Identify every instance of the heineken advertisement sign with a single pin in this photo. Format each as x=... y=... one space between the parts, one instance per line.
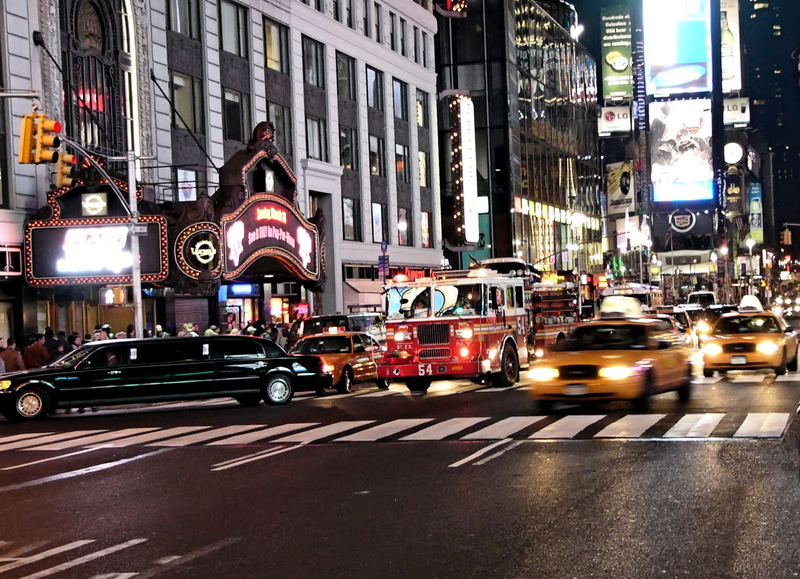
x=616 y=52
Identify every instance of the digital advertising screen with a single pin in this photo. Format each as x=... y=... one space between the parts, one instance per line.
x=677 y=46
x=731 y=47
x=616 y=52
x=680 y=151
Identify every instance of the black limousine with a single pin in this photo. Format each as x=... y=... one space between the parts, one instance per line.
x=245 y=368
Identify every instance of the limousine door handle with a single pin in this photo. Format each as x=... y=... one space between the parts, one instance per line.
x=114 y=372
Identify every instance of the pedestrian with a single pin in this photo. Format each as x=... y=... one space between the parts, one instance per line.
x=74 y=340
x=51 y=343
x=12 y=359
x=36 y=355
x=212 y=330
x=130 y=332
x=160 y=333
x=65 y=344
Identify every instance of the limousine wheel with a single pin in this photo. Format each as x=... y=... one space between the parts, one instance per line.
x=248 y=399
x=279 y=389
x=30 y=404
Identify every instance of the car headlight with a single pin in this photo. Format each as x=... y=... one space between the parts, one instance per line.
x=5 y=384
x=616 y=372
x=543 y=374
x=767 y=347
x=703 y=327
x=712 y=349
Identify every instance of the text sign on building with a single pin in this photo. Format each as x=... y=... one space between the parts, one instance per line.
x=614 y=120
x=616 y=52
x=731 y=47
x=736 y=112
x=621 y=188
x=677 y=46
x=71 y=251
x=269 y=227
x=756 y=212
x=464 y=167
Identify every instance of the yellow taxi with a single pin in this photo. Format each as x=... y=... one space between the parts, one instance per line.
x=750 y=339
x=350 y=357
x=617 y=356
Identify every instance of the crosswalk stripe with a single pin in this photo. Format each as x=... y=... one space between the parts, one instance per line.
x=262 y=434
x=205 y=435
x=445 y=429
x=383 y=430
x=45 y=554
x=756 y=378
x=324 y=431
x=48 y=439
x=24 y=436
x=568 y=426
x=763 y=425
x=503 y=429
x=86 y=559
x=380 y=393
x=94 y=439
x=158 y=435
x=695 y=426
x=629 y=426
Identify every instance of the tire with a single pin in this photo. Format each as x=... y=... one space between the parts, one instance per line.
x=509 y=369
x=29 y=404
x=248 y=399
x=781 y=370
x=418 y=384
x=345 y=385
x=643 y=401
x=685 y=389
x=708 y=373
x=560 y=341
x=278 y=390
x=792 y=366
x=382 y=383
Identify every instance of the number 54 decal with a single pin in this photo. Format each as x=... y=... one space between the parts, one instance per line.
x=424 y=370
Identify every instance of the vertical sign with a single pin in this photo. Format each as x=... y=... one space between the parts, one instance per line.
x=465 y=171
x=731 y=47
x=755 y=211
x=616 y=52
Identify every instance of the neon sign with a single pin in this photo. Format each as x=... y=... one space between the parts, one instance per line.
x=95 y=249
x=270 y=214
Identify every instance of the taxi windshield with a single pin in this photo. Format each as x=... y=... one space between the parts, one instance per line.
x=608 y=337
x=748 y=325
x=449 y=300
x=324 y=345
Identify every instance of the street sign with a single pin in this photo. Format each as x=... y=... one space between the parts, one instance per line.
x=383 y=265
x=384 y=247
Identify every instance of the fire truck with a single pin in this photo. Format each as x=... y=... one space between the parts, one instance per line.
x=457 y=324
x=555 y=307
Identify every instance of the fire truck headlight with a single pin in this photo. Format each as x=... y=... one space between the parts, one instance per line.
x=402 y=334
x=465 y=332
x=543 y=373
x=492 y=353
x=464 y=352
x=539 y=353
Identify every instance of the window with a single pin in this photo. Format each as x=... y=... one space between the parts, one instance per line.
x=401 y=163
x=187 y=97
x=313 y=62
x=403 y=226
x=393 y=31
x=424 y=50
x=346 y=76
x=184 y=17
x=400 y=99
x=374 y=88
x=281 y=117
x=422 y=109
x=276 y=46
x=377 y=155
x=233 y=28
x=378 y=23
x=425 y=228
x=337 y=10
x=316 y=139
x=416 y=44
x=351 y=21
x=348 y=148
x=424 y=180
x=186 y=181
x=351 y=218
x=236 y=122
x=402 y=36
x=380 y=228
x=319 y=5
x=366 y=18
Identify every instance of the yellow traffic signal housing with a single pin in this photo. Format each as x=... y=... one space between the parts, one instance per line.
x=46 y=140
x=27 y=139
x=65 y=170
x=786 y=237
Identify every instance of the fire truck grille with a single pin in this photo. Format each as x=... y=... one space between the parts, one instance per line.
x=577 y=372
x=739 y=348
x=433 y=334
x=434 y=354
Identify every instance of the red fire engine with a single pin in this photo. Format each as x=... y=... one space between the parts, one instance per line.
x=555 y=307
x=464 y=324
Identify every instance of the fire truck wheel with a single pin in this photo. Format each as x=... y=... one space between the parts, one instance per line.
x=382 y=383
x=509 y=368
x=418 y=384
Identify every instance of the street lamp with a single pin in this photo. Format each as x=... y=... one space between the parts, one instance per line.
x=723 y=251
x=750 y=243
x=577 y=220
x=714 y=258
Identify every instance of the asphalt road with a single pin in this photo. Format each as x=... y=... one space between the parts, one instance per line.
x=466 y=481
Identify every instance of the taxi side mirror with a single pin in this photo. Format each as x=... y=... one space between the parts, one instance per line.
x=664 y=344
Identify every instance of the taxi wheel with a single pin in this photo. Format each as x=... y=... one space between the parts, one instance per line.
x=781 y=370
x=509 y=369
x=685 y=389
x=792 y=366
x=643 y=401
x=418 y=384
x=708 y=373
x=345 y=385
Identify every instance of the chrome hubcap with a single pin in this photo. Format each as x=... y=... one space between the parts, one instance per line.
x=278 y=390
x=29 y=404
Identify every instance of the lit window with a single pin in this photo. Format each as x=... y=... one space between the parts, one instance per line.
x=316 y=139
x=377 y=154
x=403 y=226
x=276 y=45
x=187 y=96
x=401 y=163
x=422 y=157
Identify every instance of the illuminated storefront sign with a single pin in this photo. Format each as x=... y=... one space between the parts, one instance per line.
x=464 y=168
x=94 y=204
x=736 y=112
x=197 y=250
x=614 y=120
x=680 y=151
x=616 y=53
x=677 y=46
x=267 y=227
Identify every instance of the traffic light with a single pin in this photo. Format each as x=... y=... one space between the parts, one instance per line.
x=786 y=237
x=46 y=140
x=65 y=170
x=27 y=138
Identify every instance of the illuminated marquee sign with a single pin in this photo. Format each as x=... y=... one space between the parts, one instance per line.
x=60 y=252
x=269 y=228
x=464 y=168
x=197 y=250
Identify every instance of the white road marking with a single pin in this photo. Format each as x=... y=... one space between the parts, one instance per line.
x=14 y=555
x=115 y=576
x=48 y=459
x=629 y=426
x=158 y=435
x=45 y=554
x=152 y=572
x=383 y=430
x=324 y=431
x=751 y=378
x=90 y=440
x=24 y=436
x=568 y=426
x=481 y=452
x=444 y=429
x=380 y=393
x=504 y=428
x=262 y=434
x=791 y=377
x=205 y=435
x=511 y=446
x=253 y=457
x=763 y=425
x=695 y=426
x=85 y=559
x=47 y=439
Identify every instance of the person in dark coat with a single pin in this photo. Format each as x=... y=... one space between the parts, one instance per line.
x=36 y=355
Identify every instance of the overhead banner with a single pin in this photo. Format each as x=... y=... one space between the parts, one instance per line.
x=736 y=112
x=614 y=120
x=620 y=187
x=731 y=47
x=677 y=46
x=616 y=52
x=756 y=213
x=680 y=151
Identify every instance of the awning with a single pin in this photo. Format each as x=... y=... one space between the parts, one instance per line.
x=366 y=286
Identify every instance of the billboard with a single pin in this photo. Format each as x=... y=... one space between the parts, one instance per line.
x=677 y=46
x=621 y=188
x=736 y=112
x=680 y=151
x=614 y=120
x=756 y=212
x=615 y=52
x=731 y=47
